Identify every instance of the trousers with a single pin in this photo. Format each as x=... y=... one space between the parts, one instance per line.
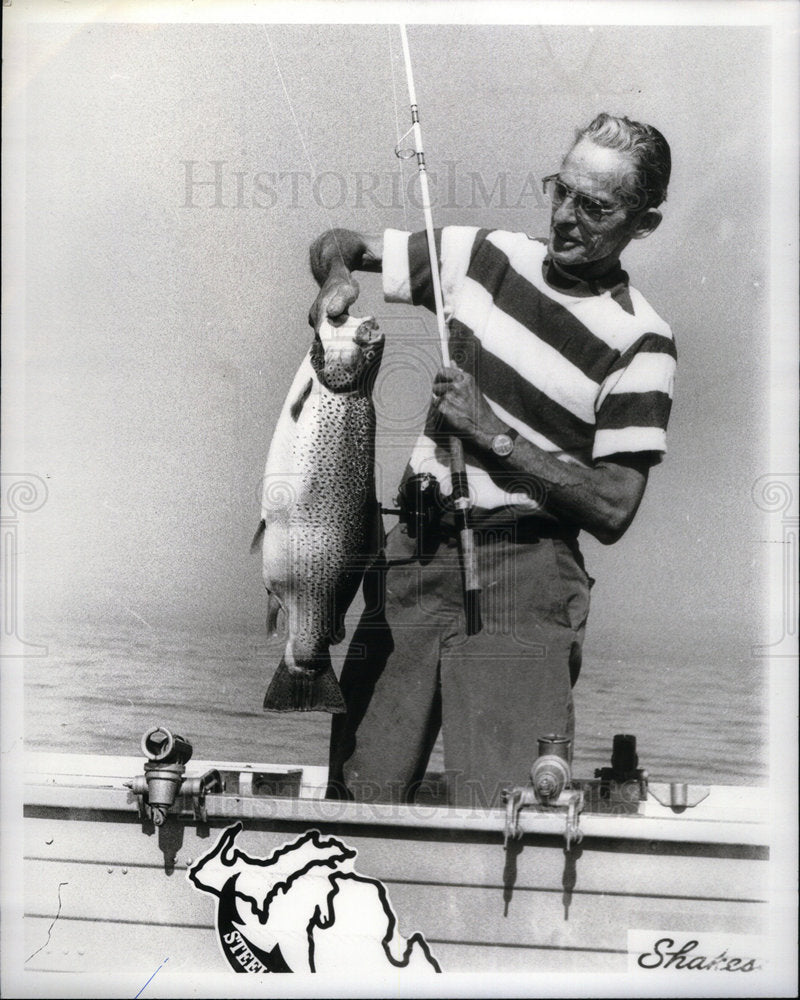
x=412 y=670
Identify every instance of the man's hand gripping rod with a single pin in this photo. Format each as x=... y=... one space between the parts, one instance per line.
x=461 y=498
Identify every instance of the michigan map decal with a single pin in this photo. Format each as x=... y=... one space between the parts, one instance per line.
x=304 y=909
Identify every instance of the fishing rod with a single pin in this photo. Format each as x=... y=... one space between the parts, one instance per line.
x=458 y=472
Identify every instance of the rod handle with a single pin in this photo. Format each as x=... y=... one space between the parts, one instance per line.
x=469 y=562
x=472 y=589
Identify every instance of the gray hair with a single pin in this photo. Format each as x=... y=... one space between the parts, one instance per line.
x=647 y=146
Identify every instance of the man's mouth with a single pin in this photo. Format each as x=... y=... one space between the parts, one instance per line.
x=564 y=242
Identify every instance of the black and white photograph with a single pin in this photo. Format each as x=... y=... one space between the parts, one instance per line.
x=399 y=499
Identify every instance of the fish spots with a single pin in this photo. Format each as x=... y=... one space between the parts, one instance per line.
x=330 y=524
x=345 y=358
x=322 y=538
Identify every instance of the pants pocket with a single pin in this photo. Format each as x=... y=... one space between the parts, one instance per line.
x=575 y=586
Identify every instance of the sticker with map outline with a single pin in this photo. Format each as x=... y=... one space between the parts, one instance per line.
x=304 y=908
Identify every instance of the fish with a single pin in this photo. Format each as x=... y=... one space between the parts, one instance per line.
x=321 y=524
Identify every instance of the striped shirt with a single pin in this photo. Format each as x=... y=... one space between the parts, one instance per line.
x=582 y=369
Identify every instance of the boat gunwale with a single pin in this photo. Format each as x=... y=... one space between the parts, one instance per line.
x=418 y=820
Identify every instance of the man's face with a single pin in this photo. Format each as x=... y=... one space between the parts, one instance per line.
x=579 y=237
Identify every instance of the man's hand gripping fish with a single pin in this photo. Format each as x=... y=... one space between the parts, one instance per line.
x=321 y=523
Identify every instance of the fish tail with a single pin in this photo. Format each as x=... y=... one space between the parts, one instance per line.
x=304 y=691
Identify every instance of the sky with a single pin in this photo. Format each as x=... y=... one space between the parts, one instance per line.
x=163 y=177
x=174 y=176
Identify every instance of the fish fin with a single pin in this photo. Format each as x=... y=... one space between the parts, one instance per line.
x=304 y=691
x=297 y=405
x=262 y=527
x=274 y=609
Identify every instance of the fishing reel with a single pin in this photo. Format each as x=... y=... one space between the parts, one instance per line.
x=421 y=507
x=163 y=779
x=550 y=789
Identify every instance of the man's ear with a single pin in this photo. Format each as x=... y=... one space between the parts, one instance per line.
x=647 y=224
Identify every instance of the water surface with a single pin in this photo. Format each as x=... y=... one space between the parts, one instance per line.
x=99 y=688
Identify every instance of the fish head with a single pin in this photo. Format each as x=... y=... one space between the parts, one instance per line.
x=346 y=357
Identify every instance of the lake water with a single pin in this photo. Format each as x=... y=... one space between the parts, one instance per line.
x=99 y=688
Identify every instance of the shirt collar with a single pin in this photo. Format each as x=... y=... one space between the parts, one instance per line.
x=614 y=281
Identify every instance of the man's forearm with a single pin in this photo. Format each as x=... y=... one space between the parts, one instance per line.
x=602 y=499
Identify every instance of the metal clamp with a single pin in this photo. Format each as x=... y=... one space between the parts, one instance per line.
x=571 y=802
x=515 y=799
x=572 y=831
x=550 y=788
x=198 y=788
x=163 y=780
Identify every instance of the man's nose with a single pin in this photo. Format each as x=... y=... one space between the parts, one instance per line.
x=564 y=213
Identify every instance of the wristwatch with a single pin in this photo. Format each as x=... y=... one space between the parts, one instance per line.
x=503 y=444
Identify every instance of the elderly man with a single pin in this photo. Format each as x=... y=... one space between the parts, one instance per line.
x=561 y=396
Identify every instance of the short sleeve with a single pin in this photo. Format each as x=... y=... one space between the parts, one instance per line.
x=395 y=269
x=635 y=399
x=407 y=270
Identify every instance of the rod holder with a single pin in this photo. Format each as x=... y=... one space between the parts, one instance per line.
x=550 y=788
x=163 y=780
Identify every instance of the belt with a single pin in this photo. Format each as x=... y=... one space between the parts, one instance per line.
x=523 y=529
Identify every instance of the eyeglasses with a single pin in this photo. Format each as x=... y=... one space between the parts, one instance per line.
x=590 y=209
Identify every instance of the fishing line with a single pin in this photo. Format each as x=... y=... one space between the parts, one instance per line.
x=300 y=133
x=306 y=151
x=389 y=29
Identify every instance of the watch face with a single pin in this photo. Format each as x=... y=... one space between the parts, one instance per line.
x=502 y=445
